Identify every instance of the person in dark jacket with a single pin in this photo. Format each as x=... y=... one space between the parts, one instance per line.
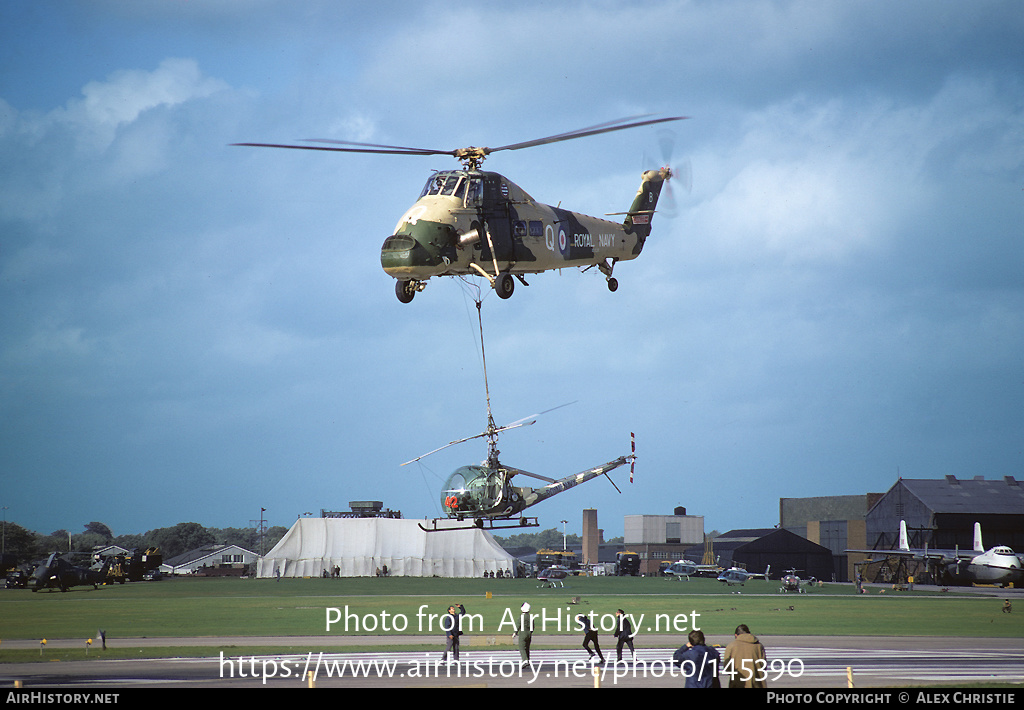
x=452 y=625
x=590 y=636
x=698 y=662
x=624 y=634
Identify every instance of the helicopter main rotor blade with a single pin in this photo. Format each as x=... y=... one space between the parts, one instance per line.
x=571 y=134
x=441 y=448
x=526 y=421
x=470 y=156
x=583 y=132
x=399 y=148
x=385 y=150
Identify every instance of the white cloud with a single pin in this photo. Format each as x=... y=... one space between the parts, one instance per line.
x=126 y=94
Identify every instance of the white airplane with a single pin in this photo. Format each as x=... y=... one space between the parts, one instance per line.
x=997 y=565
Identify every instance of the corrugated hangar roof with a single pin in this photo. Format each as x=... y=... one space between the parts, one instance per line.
x=969 y=495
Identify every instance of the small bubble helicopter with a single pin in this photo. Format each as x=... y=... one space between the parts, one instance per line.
x=484 y=493
x=470 y=222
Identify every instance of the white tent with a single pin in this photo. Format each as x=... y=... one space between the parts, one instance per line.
x=361 y=546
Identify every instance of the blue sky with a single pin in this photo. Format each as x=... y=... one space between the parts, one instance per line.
x=194 y=331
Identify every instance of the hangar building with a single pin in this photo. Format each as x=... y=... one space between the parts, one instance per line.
x=754 y=550
x=941 y=513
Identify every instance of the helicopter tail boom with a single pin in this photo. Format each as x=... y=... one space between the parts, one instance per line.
x=563 y=484
x=641 y=212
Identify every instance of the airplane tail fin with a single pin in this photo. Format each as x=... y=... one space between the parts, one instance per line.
x=641 y=212
x=978 y=546
x=904 y=544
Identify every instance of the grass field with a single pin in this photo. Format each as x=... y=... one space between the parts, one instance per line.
x=411 y=606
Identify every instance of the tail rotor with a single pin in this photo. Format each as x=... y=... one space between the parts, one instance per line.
x=681 y=172
x=632 y=455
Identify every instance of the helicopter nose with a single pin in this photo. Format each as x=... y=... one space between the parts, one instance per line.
x=405 y=256
x=419 y=249
x=396 y=255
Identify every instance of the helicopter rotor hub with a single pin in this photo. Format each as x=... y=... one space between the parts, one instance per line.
x=472 y=157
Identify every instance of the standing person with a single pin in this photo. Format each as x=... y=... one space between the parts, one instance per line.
x=748 y=664
x=452 y=625
x=703 y=669
x=590 y=636
x=624 y=632
x=524 y=630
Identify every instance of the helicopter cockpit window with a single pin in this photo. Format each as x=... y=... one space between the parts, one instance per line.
x=460 y=190
x=476 y=190
x=450 y=183
x=433 y=185
x=471 y=489
x=445 y=184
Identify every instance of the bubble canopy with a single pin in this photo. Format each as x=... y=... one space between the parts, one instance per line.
x=472 y=489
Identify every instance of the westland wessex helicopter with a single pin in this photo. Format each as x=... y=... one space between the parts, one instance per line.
x=484 y=493
x=470 y=222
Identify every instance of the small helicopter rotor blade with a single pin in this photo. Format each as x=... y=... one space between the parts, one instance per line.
x=632 y=455
x=681 y=173
x=583 y=132
x=526 y=421
x=684 y=174
x=441 y=448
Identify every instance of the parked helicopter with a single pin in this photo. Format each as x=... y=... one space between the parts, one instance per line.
x=684 y=569
x=553 y=576
x=61 y=574
x=484 y=493
x=736 y=575
x=791 y=582
x=470 y=222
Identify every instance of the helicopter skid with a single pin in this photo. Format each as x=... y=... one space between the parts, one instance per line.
x=482 y=524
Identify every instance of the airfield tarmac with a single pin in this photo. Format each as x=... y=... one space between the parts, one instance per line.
x=803 y=662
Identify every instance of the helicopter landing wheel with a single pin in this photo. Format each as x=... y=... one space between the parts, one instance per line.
x=504 y=285
x=405 y=290
x=613 y=284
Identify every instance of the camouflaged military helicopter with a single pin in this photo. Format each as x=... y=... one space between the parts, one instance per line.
x=484 y=493
x=470 y=222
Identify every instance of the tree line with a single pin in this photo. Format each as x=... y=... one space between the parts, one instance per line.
x=543 y=540
x=25 y=545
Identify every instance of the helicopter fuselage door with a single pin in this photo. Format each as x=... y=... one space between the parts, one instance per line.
x=497 y=221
